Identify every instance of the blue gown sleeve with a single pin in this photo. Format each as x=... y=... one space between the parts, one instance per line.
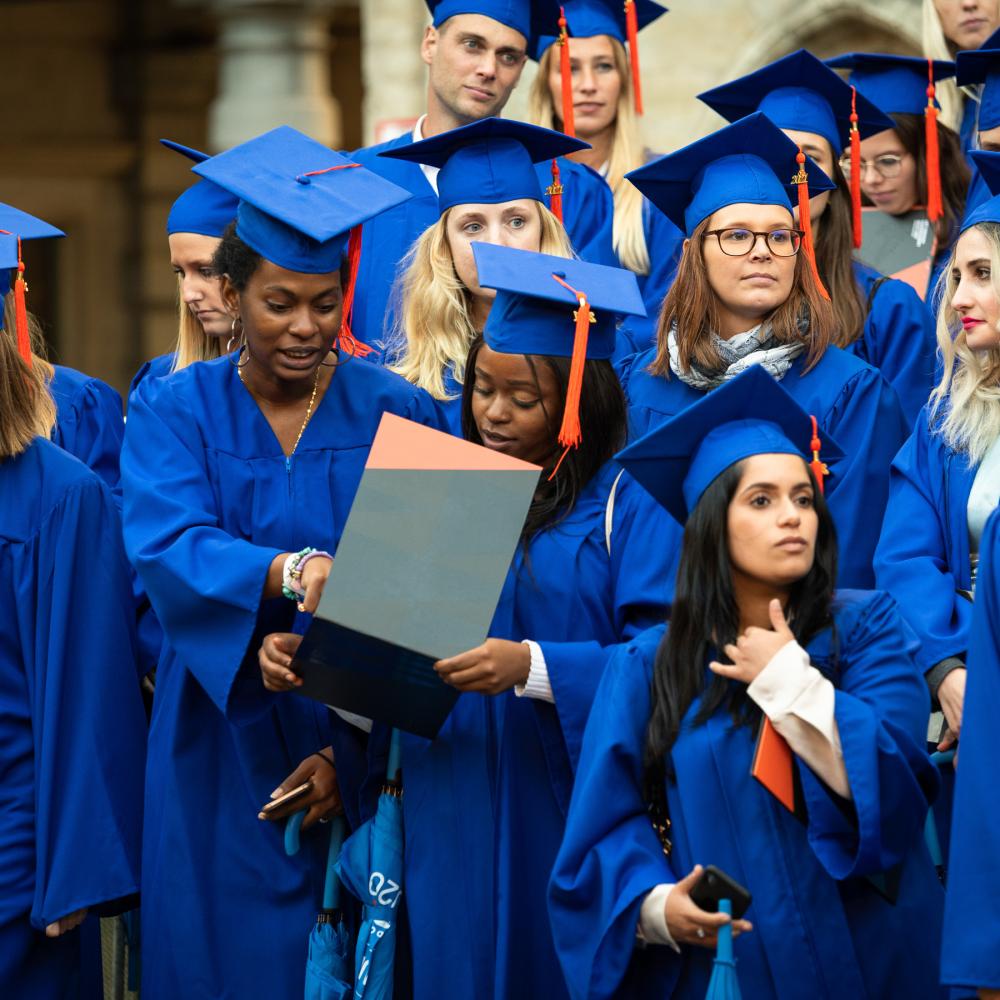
x=92 y=429
x=192 y=569
x=610 y=856
x=901 y=344
x=867 y=423
x=971 y=952
x=881 y=711
x=645 y=551
x=911 y=561
x=75 y=621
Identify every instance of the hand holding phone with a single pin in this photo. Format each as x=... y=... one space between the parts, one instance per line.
x=277 y=807
x=692 y=924
x=713 y=885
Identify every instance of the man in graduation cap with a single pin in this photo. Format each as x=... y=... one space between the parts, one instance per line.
x=475 y=51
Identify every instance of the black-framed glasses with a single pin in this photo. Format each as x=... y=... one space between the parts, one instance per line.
x=886 y=166
x=739 y=242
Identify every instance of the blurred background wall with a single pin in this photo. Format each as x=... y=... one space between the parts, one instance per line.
x=93 y=84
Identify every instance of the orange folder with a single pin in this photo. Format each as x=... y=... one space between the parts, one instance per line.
x=774 y=767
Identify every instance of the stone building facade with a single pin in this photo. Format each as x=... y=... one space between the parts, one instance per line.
x=93 y=84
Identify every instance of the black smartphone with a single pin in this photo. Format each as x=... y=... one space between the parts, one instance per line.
x=713 y=885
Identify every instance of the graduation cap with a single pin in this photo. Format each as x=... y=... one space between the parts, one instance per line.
x=903 y=85
x=586 y=18
x=16 y=226
x=751 y=161
x=986 y=207
x=489 y=161
x=555 y=306
x=204 y=208
x=750 y=415
x=982 y=66
x=301 y=204
x=802 y=93
x=529 y=17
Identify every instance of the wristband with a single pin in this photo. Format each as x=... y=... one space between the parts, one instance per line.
x=291 y=586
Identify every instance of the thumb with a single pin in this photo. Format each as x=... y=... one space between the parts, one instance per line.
x=778 y=620
x=687 y=883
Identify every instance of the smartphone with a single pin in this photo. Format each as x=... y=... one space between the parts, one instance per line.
x=714 y=885
x=299 y=792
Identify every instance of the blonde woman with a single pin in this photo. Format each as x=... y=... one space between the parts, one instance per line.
x=488 y=191
x=602 y=108
x=946 y=478
x=947 y=28
x=195 y=225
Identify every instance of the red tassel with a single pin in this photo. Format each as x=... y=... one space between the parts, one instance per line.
x=632 y=27
x=855 y=170
x=934 y=209
x=819 y=470
x=555 y=192
x=21 y=311
x=566 y=73
x=801 y=180
x=345 y=339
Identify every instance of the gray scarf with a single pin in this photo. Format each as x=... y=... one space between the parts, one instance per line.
x=759 y=349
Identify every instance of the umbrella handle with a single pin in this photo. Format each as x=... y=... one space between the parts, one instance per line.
x=724 y=946
x=331 y=888
x=395 y=757
x=942 y=757
x=292 y=829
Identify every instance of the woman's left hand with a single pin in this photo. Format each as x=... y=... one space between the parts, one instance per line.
x=323 y=800
x=755 y=649
x=493 y=667
x=64 y=924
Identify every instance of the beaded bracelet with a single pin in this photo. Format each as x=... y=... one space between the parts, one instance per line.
x=291 y=575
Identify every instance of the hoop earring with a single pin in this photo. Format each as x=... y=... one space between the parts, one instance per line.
x=241 y=345
x=233 y=337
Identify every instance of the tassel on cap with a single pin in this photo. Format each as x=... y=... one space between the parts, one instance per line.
x=819 y=469
x=855 y=170
x=21 y=308
x=555 y=191
x=801 y=181
x=934 y=209
x=570 y=433
x=632 y=29
x=566 y=74
x=345 y=339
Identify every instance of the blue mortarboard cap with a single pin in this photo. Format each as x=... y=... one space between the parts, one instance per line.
x=17 y=225
x=751 y=161
x=298 y=199
x=529 y=17
x=204 y=208
x=751 y=415
x=897 y=85
x=534 y=313
x=983 y=203
x=587 y=18
x=982 y=65
x=489 y=161
x=799 y=92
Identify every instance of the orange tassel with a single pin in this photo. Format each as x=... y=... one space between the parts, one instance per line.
x=934 y=210
x=801 y=180
x=632 y=27
x=345 y=339
x=819 y=469
x=855 y=170
x=21 y=311
x=555 y=192
x=566 y=73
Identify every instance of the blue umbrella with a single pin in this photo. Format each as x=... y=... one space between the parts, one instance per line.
x=328 y=965
x=724 y=985
x=371 y=867
x=940 y=757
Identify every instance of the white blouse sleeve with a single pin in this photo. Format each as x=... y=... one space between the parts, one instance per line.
x=537 y=685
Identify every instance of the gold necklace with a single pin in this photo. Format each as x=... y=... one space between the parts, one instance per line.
x=309 y=408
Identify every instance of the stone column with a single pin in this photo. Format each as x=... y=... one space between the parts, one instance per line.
x=273 y=69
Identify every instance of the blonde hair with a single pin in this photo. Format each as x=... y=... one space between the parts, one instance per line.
x=935 y=46
x=433 y=329
x=627 y=153
x=27 y=410
x=968 y=396
x=193 y=344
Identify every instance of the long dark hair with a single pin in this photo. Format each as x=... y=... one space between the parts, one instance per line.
x=603 y=416
x=704 y=618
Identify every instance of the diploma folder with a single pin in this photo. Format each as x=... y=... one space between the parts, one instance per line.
x=417 y=574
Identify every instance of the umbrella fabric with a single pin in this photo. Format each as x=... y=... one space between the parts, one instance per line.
x=724 y=985
x=371 y=867
x=328 y=966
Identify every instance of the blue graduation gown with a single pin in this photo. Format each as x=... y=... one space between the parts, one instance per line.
x=665 y=243
x=898 y=339
x=89 y=422
x=153 y=368
x=72 y=727
x=210 y=500
x=578 y=603
x=820 y=928
x=971 y=952
x=851 y=402
x=922 y=557
x=587 y=207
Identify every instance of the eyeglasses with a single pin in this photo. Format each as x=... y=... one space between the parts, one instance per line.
x=739 y=242
x=887 y=166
